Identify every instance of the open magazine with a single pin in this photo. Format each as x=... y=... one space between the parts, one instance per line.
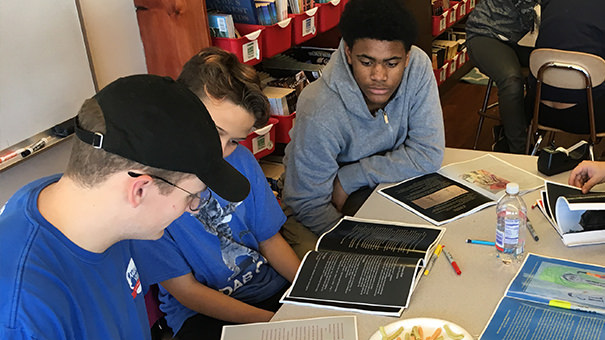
x=460 y=189
x=551 y=298
x=578 y=218
x=365 y=265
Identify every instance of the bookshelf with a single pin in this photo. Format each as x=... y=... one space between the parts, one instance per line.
x=174 y=30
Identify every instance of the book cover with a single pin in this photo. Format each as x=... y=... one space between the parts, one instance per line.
x=460 y=189
x=221 y=25
x=243 y=11
x=551 y=298
x=363 y=265
x=565 y=207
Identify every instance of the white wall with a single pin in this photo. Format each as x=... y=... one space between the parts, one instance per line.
x=114 y=39
x=116 y=50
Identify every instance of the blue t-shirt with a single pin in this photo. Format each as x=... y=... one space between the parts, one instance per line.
x=222 y=252
x=52 y=289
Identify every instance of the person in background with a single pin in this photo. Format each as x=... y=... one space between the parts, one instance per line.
x=492 y=31
x=374 y=116
x=227 y=263
x=587 y=174
x=67 y=264
x=573 y=26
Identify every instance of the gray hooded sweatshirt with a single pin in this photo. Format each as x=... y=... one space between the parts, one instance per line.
x=335 y=134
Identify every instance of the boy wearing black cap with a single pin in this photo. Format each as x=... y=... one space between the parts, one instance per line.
x=228 y=263
x=146 y=150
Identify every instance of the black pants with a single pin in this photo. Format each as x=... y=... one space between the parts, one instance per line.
x=204 y=327
x=502 y=62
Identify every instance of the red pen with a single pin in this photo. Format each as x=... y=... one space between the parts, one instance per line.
x=452 y=262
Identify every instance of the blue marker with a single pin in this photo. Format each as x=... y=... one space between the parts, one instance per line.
x=485 y=243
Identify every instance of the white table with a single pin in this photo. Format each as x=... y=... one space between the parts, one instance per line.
x=469 y=299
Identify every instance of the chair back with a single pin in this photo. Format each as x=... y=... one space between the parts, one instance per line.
x=560 y=74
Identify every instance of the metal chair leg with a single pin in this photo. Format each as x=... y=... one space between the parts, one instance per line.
x=483 y=110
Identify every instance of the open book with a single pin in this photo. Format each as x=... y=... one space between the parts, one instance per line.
x=551 y=298
x=330 y=328
x=565 y=206
x=364 y=265
x=460 y=189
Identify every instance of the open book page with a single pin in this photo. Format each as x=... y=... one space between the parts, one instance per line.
x=373 y=272
x=436 y=198
x=566 y=205
x=489 y=175
x=330 y=328
x=363 y=236
x=551 y=298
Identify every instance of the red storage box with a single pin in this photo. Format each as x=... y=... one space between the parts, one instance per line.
x=452 y=66
x=262 y=141
x=328 y=15
x=461 y=56
x=304 y=26
x=441 y=73
x=461 y=9
x=343 y=3
x=452 y=13
x=282 y=131
x=439 y=23
x=470 y=5
x=276 y=38
x=247 y=48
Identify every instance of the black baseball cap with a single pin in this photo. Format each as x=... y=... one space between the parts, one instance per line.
x=158 y=122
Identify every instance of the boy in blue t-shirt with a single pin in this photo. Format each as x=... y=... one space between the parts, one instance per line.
x=67 y=265
x=228 y=263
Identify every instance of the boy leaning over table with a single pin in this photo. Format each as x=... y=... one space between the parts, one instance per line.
x=373 y=117
x=146 y=151
x=228 y=263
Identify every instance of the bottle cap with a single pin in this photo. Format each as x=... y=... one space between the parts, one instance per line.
x=512 y=188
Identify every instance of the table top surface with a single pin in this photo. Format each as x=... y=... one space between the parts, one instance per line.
x=469 y=299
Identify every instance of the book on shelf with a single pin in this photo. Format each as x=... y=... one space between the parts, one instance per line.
x=551 y=298
x=366 y=266
x=243 y=11
x=330 y=327
x=221 y=25
x=460 y=189
x=578 y=218
x=282 y=100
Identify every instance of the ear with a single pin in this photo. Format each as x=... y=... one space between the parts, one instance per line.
x=138 y=189
x=348 y=54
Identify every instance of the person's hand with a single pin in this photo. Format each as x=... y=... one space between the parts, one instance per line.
x=587 y=174
x=339 y=196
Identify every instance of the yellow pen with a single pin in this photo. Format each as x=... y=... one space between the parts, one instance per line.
x=433 y=259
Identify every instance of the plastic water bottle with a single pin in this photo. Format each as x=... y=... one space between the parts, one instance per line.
x=511 y=225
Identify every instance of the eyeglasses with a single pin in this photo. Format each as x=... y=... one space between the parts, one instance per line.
x=198 y=201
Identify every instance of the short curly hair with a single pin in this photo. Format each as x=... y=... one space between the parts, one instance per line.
x=387 y=20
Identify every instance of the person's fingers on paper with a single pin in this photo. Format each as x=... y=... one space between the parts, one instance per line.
x=587 y=174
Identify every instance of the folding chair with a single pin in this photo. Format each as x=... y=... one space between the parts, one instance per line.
x=567 y=70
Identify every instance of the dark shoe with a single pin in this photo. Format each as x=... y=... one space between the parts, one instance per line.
x=500 y=143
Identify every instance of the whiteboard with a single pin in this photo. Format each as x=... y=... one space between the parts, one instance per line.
x=45 y=73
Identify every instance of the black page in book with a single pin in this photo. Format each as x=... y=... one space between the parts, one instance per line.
x=554 y=191
x=354 y=278
x=437 y=197
x=363 y=237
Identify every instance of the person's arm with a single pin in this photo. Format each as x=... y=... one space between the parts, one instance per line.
x=339 y=195
x=280 y=256
x=587 y=174
x=311 y=166
x=207 y=301
x=422 y=150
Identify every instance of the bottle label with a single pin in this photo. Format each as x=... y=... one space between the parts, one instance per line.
x=511 y=231
x=500 y=240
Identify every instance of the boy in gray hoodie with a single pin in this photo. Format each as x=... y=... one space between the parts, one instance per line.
x=373 y=117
